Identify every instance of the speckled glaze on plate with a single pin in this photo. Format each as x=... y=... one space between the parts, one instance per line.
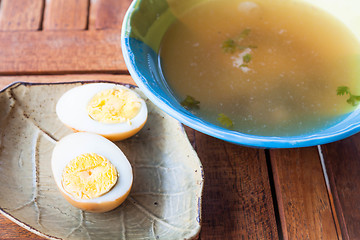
x=164 y=203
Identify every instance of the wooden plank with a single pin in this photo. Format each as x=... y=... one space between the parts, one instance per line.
x=342 y=161
x=237 y=201
x=107 y=14
x=66 y=15
x=21 y=15
x=304 y=206
x=10 y=230
x=61 y=52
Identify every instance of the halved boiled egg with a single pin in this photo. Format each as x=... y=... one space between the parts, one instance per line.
x=92 y=173
x=111 y=110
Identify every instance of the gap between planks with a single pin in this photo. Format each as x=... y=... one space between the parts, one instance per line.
x=305 y=207
x=120 y=78
x=237 y=202
x=277 y=205
x=331 y=198
x=342 y=162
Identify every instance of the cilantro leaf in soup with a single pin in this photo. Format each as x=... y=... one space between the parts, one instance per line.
x=190 y=103
x=247 y=58
x=225 y=120
x=229 y=46
x=353 y=100
x=244 y=33
x=344 y=90
x=240 y=47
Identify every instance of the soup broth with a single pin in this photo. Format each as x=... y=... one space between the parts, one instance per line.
x=261 y=67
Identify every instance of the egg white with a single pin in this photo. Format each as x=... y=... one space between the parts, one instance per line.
x=71 y=109
x=76 y=144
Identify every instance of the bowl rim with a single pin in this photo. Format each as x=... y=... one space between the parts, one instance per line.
x=199 y=124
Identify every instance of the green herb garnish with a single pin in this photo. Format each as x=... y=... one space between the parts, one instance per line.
x=244 y=33
x=231 y=45
x=242 y=47
x=344 y=90
x=225 y=120
x=247 y=58
x=190 y=103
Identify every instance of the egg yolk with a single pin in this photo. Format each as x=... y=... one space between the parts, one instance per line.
x=114 y=106
x=89 y=176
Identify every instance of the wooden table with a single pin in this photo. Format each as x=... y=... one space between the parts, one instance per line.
x=307 y=193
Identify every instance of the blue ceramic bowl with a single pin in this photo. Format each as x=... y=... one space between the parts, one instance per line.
x=144 y=25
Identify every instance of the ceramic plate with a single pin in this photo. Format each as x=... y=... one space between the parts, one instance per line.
x=164 y=203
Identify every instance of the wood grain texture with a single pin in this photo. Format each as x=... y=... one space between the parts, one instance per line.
x=342 y=161
x=61 y=52
x=107 y=14
x=21 y=15
x=237 y=202
x=66 y=15
x=10 y=230
x=303 y=201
